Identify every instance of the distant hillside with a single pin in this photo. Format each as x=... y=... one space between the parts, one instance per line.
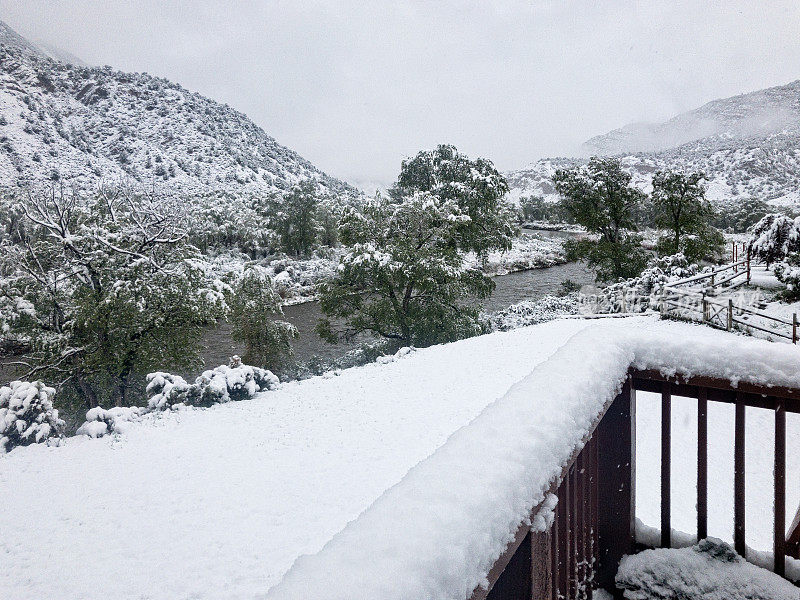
x=748 y=146
x=83 y=125
x=755 y=115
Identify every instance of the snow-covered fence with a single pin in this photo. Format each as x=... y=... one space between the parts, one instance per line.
x=567 y=552
x=696 y=298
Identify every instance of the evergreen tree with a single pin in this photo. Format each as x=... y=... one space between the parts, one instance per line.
x=600 y=197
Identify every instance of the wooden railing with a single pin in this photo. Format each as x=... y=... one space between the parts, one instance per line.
x=594 y=525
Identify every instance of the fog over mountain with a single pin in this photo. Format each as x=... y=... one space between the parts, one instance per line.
x=747 y=145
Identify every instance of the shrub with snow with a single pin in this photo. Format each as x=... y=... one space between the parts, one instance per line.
x=226 y=383
x=774 y=237
x=788 y=273
x=235 y=381
x=27 y=415
x=637 y=294
x=531 y=312
x=165 y=390
x=101 y=421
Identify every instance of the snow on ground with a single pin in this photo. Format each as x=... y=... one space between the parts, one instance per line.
x=437 y=533
x=221 y=502
x=218 y=503
x=709 y=571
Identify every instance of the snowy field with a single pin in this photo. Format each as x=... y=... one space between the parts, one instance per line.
x=221 y=502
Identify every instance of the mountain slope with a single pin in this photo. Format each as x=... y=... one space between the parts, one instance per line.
x=747 y=145
x=84 y=126
x=757 y=114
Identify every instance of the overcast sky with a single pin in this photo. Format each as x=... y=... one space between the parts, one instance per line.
x=357 y=85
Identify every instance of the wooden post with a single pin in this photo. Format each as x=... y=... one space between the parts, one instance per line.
x=738 y=478
x=794 y=328
x=666 y=459
x=748 y=265
x=705 y=309
x=779 y=539
x=702 y=463
x=616 y=520
x=730 y=314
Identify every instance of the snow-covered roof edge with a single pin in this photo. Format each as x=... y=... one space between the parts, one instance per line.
x=437 y=532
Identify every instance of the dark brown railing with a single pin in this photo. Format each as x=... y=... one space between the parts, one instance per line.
x=594 y=525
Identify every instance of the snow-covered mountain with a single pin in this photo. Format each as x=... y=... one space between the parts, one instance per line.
x=88 y=125
x=748 y=145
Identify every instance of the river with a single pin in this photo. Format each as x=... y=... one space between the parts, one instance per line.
x=510 y=289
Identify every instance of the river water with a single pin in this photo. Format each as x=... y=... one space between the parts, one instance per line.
x=510 y=289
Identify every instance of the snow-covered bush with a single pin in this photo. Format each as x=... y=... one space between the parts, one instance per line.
x=165 y=390
x=390 y=358
x=788 y=273
x=101 y=421
x=27 y=415
x=531 y=312
x=774 y=237
x=235 y=381
x=640 y=293
x=711 y=570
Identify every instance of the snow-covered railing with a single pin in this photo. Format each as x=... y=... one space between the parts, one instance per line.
x=478 y=518
x=776 y=398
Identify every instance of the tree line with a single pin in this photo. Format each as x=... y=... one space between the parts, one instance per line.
x=102 y=289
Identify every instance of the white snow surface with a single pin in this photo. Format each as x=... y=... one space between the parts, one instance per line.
x=399 y=480
x=709 y=571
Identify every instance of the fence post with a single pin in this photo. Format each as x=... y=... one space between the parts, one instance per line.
x=616 y=520
x=705 y=309
x=794 y=328
x=730 y=314
x=748 y=265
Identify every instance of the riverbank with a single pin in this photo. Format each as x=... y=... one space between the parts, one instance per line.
x=296 y=280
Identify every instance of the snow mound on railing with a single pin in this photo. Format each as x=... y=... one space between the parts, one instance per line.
x=437 y=532
x=711 y=570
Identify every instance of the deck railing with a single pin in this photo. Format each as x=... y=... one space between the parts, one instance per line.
x=594 y=525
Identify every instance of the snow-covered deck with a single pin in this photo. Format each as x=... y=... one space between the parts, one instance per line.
x=220 y=503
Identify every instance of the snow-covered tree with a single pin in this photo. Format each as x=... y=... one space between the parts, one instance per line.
x=104 y=289
x=682 y=210
x=474 y=185
x=775 y=237
x=254 y=308
x=403 y=277
x=27 y=415
x=601 y=197
x=295 y=219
